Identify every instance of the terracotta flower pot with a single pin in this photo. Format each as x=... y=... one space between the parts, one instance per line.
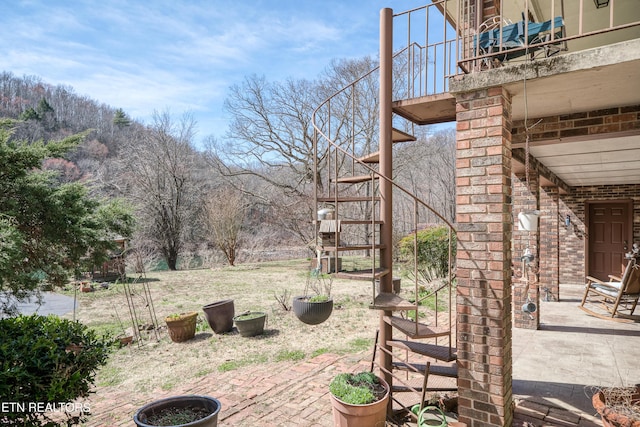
x=219 y=315
x=182 y=327
x=126 y=340
x=610 y=416
x=370 y=415
x=209 y=404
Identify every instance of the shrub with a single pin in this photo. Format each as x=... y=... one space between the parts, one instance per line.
x=356 y=389
x=45 y=360
x=433 y=251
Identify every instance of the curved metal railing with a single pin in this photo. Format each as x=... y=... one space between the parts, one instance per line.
x=340 y=161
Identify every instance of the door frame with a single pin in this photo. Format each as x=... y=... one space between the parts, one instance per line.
x=587 y=209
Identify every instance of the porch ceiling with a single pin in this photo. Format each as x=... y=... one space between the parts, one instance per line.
x=583 y=81
x=603 y=161
x=599 y=160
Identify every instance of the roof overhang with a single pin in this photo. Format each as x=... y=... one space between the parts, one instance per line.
x=588 y=80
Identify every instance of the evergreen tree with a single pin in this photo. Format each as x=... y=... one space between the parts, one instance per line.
x=44 y=108
x=29 y=114
x=47 y=229
x=121 y=119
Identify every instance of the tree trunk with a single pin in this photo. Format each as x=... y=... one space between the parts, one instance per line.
x=172 y=260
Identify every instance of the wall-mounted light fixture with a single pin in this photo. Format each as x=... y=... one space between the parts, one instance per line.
x=601 y=3
x=567 y=221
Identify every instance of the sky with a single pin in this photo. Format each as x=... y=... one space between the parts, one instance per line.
x=182 y=55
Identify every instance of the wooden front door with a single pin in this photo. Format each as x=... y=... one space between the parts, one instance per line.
x=610 y=237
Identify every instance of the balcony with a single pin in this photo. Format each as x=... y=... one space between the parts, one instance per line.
x=574 y=58
x=449 y=38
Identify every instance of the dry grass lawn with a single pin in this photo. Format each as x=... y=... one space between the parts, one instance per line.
x=164 y=364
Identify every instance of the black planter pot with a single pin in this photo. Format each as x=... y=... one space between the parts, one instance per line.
x=210 y=404
x=312 y=313
x=219 y=315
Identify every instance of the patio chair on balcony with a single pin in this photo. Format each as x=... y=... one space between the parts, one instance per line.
x=618 y=296
x=513 y=42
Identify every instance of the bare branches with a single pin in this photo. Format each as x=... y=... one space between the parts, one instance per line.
x=224 y=213
x=158 y=169
x=283 y=299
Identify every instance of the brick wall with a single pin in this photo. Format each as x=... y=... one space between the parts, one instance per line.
x=617 y=119
x=550 y=220
x=490 y=8
x=572 y=240
x=484 y=219
x=562 y=249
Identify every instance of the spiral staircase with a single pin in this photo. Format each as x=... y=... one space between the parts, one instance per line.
x=415 y=346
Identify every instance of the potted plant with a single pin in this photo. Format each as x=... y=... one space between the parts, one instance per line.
x=219 y=315
x=86 y=286
x=190 y=410
x=618 y=406
x=182 y=327
x=359 y=400
x=125 y=340
x=316 y=305
x=250 y=323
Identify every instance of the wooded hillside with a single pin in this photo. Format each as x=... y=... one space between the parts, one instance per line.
x=248 y=194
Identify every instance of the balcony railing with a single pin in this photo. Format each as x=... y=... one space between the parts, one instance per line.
x=541 y=28
x=448 y=37
x=431 y=58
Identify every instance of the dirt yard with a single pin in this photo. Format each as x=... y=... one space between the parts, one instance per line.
x=163 y=364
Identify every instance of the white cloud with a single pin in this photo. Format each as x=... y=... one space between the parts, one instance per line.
x=152 y=55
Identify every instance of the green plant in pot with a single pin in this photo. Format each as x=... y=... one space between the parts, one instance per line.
x=316 y=305
x=250 y=323
x=359 y=400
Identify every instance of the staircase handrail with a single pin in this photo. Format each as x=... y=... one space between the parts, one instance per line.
x=333 y=146
x=379 y=175
x=318 y=131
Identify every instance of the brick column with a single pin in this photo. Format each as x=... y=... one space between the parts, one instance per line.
x=525 y=198
x=483 y=214
x=549 y=254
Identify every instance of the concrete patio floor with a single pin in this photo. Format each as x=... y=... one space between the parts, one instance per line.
x=561 y=363
x=554 y=370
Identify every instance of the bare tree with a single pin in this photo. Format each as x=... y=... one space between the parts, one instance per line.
x=271 y=138
x=158 y=167
x=427 y=168
x=224 y=214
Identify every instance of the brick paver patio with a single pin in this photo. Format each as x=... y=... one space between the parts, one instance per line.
x=277 y=394
x=283 y=394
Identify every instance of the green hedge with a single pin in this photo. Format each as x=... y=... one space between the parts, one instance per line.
x=433 y=251
x=46 y=360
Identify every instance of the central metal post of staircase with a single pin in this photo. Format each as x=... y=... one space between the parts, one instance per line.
x=386 y=187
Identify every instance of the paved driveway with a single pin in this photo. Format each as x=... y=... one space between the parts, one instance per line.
x=52 y=303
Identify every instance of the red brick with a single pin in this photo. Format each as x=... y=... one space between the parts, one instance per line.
x=463 y=163
x=462 y=125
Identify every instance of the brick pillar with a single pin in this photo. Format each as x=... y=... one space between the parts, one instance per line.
x=549 y=254
x=483 y=214
x=525 y=198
